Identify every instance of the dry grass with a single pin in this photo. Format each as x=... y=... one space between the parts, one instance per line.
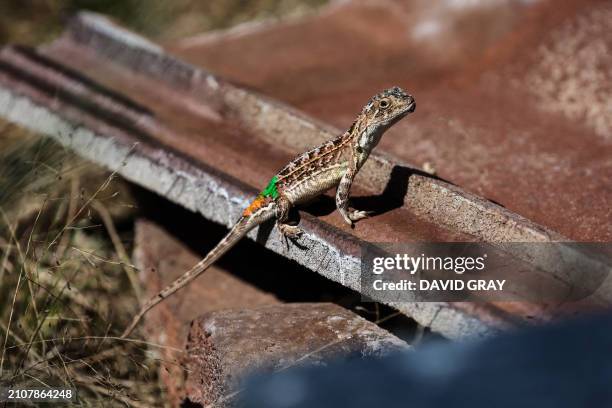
x=66 y=277
x=66 y=281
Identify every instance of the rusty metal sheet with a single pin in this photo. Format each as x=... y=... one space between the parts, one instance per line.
x=110 y=138
x=198 y=140
x=513 y=96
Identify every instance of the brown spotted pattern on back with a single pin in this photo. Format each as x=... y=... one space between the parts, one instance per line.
x=329 y=153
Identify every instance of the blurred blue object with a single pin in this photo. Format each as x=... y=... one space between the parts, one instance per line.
x=568 y=364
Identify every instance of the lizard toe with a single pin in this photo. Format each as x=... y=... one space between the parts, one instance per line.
x=359 y=215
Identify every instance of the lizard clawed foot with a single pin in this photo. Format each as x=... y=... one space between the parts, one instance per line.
x=290 y=231
x=359 y=215
x=352 y=216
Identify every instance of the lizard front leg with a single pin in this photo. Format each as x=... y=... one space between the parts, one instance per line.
x=283 y=205
x=342 y=197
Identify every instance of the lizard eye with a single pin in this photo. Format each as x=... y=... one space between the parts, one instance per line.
x=384 y=104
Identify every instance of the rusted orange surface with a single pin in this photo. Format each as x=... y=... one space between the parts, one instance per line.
x=513 y=96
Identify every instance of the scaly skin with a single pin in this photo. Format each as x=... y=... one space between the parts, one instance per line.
x=334 y=163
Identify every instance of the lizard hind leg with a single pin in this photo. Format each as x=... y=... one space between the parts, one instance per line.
x=283 y=205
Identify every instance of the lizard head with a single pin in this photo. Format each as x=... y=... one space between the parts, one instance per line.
x=389 y=106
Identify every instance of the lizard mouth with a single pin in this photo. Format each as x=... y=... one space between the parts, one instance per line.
x=408 y=109
x=411 y=108
x=391 y=121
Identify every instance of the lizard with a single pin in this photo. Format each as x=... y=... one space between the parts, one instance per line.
x=334 y=163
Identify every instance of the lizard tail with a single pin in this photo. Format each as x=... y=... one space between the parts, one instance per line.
x=239 y=230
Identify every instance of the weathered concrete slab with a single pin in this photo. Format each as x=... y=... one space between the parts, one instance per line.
x=226 y=346
x=161 y=258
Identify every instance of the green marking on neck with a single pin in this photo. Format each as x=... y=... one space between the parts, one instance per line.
x=271 y=190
